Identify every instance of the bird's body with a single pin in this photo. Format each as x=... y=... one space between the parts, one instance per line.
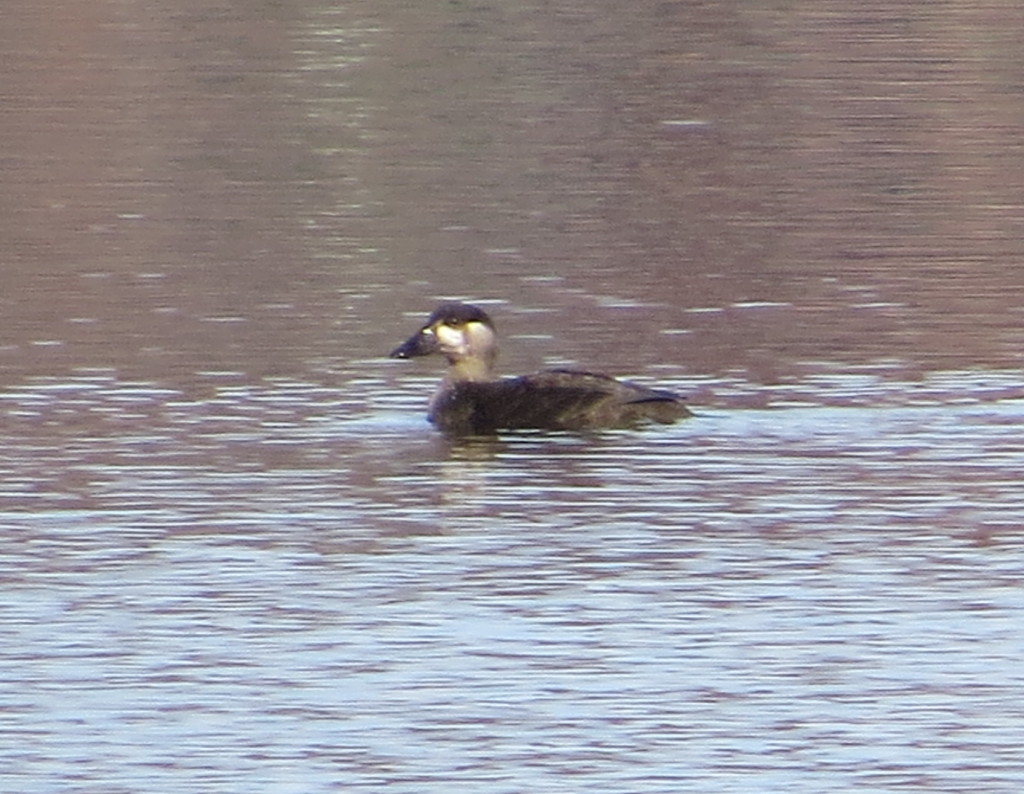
x=473 y=401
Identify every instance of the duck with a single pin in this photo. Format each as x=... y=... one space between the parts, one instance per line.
x=473 y=400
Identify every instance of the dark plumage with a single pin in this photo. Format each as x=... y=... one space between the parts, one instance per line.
x=473 y=401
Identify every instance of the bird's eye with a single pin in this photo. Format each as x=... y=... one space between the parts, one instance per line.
x=453 y=322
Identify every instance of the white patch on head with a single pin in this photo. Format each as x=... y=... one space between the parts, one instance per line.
x=451 y=339
x=480 y=336
x=470 y=348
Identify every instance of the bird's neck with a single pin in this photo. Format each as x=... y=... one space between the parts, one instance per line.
x=471 y=369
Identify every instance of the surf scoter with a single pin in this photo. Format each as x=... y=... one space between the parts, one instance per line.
x=472 y=400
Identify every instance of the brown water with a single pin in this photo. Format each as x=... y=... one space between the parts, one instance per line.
x=236 y=558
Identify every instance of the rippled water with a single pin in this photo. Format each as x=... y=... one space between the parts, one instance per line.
x=251 y=588
x=236 y=558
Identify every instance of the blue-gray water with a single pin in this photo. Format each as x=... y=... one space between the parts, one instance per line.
x=236 y=558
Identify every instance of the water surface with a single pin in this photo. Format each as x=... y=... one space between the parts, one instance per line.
x=237 y=558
